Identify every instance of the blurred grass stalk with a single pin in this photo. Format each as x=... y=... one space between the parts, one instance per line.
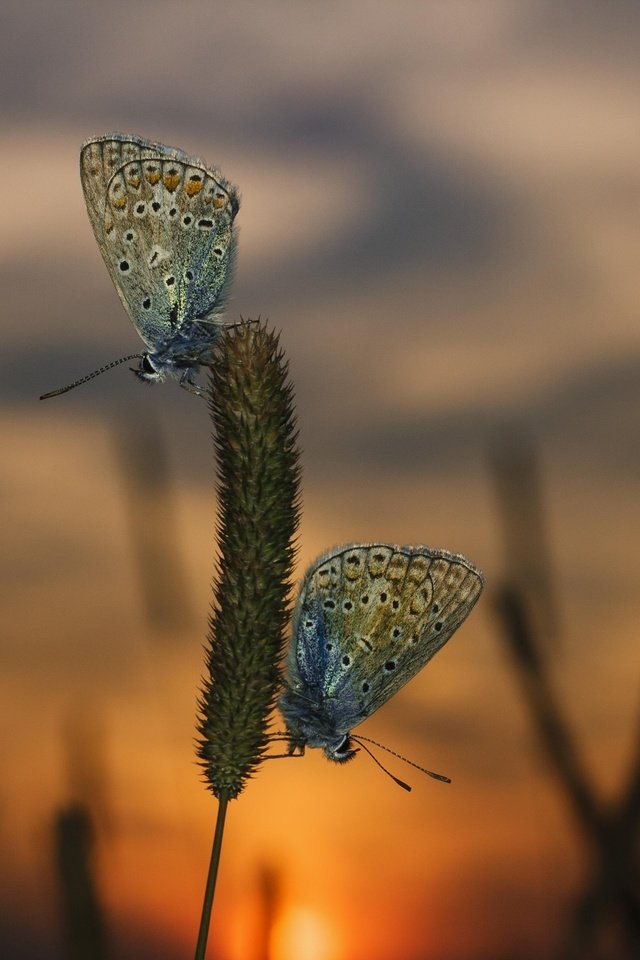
x=82 y=909
x=255 y=438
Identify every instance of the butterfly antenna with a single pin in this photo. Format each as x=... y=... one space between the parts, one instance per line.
x=401 y=783
x=90 y=376
x=429 y=773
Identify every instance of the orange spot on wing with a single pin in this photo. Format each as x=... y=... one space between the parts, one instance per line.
x=193 y=187
x=171 y=182
x=153 y=177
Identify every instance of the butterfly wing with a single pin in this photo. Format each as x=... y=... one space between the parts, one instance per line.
x=164 y=225
x=369 y=617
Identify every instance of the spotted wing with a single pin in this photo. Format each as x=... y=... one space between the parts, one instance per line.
x=164 y=225
x=370 y=616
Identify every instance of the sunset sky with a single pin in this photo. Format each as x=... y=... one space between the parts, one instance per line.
x=440 y=211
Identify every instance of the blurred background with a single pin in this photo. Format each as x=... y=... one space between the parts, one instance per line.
x=441 y=213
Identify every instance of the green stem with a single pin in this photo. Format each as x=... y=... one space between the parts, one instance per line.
x=205 y=920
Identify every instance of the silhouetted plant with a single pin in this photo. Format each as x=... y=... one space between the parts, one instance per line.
x=251 y=402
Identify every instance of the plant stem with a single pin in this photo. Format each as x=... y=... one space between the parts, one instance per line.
x=201 y=946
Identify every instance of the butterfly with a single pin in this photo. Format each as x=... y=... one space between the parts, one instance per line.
x=163 y=222
x=368 y=617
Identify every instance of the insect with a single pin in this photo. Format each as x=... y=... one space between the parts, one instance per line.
x=164 y=224
x=367 y=619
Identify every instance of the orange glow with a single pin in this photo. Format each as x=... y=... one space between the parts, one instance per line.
x=440 y=213
x=301 y=934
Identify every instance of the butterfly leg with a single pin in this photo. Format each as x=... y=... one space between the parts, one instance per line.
x=219 y=322
x=293 y=747
x=190 y=386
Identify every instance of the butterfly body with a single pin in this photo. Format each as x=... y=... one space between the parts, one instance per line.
x=164 y=224
x=367 y=619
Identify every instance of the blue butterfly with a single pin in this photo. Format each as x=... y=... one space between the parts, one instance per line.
x=164 y=225
x=367 y=619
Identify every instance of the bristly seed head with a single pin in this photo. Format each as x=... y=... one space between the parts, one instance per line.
x=255 y=439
